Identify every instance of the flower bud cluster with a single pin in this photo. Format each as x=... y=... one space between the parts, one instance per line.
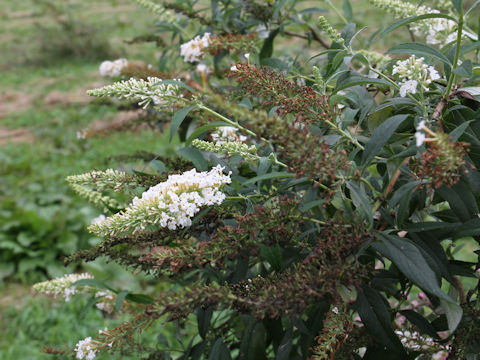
x=61 y=286
x=413 y=72
x=437 y=30
x=193 y=50
x=95 y=197
x=333 y=34
x=230 y=148
x=112 y=68
x=143 y=91
x=101 y=180
x=170 y=204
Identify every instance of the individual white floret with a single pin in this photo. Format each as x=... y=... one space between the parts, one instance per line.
x=408 y=87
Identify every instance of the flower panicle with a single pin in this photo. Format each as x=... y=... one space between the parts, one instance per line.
x=102 y=180
x=230 y=148
x=328 y=29
x=170 y=204
x=437 y=31
x=413 y=72
x=61 y=286
x=146 y=92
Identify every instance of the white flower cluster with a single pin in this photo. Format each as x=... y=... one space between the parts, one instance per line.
x=192 y=51
x=227 y=134
x=85 y=349
x=107 y=301
x=413 y=72
x=61 y=286
x=112 y=68
x=170 y=204
x=436 y=30
x=143 y=91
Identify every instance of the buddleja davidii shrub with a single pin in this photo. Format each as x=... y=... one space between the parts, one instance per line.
x=286 y=248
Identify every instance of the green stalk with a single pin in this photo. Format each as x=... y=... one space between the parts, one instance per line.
x=457 y=55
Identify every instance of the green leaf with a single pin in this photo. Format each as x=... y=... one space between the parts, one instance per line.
x=119 y=300
x=350 y=79
x=459 y=130
x=203 y=129
x=465 y=69
x=457 y=4
x=178 y=118
x=453 y=312
x=94 y=283
x=204 y=316
x=403 y=191
x=380 y=137
x=253 y=342
x=362 y=203
x=347 y=9
x=430 y=226
x=419 y=49
x=283 y=350
x=272 y=254
x=461 y=200
x=419 y=321
x=464 y=49
x=219 y=351
x=375 y=316
x=158 y=166
x=194 y=156
x=469 y=228
x=139 y=298
x=92 y=301
x=267 y=48
x=272 y=175
x=409 y=20
x=410 y=261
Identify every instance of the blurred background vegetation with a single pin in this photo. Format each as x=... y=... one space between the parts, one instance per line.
x=51 y=51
